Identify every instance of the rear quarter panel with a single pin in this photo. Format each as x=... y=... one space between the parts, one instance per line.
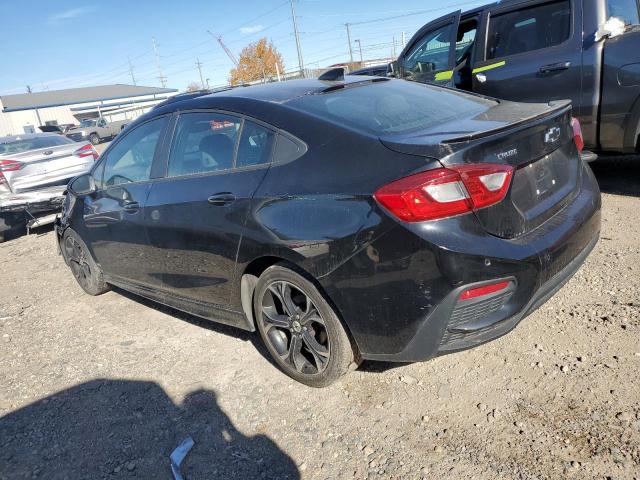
x=318 y=211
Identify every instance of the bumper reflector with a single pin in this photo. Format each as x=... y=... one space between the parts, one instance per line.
x=484 y=290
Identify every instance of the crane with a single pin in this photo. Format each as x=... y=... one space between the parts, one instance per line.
x=224 y=47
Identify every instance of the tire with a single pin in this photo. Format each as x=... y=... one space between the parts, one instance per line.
x=94 y=138
x=85 y=270
x=322 y=352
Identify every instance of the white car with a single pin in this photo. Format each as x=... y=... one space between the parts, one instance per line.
x=34 y=172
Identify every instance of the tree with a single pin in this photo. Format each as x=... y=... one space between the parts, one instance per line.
x=257 y=61
x=194 y=87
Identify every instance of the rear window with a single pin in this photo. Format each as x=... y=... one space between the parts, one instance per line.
x=391 y=107
x=529 y=29
x=35 y=143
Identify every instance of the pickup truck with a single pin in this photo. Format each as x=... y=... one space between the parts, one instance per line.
x=587 y=51
x=96 y=130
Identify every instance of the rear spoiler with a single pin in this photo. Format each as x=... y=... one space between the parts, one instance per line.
x=557 y=107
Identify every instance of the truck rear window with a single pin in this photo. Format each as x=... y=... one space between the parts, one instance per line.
x=528 y=29
x=391 y=107
x=35 y=143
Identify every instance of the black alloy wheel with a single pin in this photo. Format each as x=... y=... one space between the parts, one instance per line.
x=84 y=269
x=300 y=329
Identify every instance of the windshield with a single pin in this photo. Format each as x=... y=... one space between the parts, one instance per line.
x=34 y=143
x=87 y=123
x=392 y=107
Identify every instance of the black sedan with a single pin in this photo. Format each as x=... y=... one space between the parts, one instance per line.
x=359 y=218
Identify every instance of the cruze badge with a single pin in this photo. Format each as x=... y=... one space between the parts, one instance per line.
x=552 y=135
x=509 y=153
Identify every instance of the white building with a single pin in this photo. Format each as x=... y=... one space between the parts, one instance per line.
x=25 y=112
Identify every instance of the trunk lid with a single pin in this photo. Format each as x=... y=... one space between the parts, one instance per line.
x=535 y=139
x=46 y=167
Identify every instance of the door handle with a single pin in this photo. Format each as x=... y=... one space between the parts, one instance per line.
x=555 y=67
x=222 y=199
x=481 y=77
x=131 y=207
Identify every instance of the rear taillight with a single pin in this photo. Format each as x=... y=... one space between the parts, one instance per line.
x=484 y=290
x=577 y=134
x=86 y=151
x=445 y=192
x=10 y=165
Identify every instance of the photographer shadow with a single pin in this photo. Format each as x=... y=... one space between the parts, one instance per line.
x=122 y=429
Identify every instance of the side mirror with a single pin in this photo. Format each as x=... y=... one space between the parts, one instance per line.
x=82 y=185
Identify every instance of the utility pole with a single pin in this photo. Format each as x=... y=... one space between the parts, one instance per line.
x=199 y=65
x=133 y=78
x=349 y=40
x=297 y=37
x=403 y=40
x=161 y=77
x=394 y=47
x=360 y=47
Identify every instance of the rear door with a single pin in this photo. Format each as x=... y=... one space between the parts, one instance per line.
x=114 y=214
x=196 y=214
x=532 y=53
x=620 y=101
x=430 y=54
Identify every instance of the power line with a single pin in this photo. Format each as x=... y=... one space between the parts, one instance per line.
x=419 y=12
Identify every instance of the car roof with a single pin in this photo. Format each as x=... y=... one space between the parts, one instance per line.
x=277 y=92
x=26 y=136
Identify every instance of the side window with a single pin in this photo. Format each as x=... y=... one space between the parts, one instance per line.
x=529 y=29
x=431 y=53
x=204 y=142
x=256 y=145
x=98 y=173
x=625 y=10
x=465 y=39
x=131 y=158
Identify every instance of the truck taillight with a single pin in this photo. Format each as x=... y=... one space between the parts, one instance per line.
x=86 y=151
x=577 y=134
x=445 y=192
x=10 y=165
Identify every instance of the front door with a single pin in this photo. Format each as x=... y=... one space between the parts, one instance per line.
x=114 y=214
x=197 y=212
x=430 y=54
x=532 y=53
x=620 y=103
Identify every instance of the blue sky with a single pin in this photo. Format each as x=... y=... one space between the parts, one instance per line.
x=63 y=44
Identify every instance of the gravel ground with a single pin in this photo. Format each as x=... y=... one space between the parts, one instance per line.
x=107 y=387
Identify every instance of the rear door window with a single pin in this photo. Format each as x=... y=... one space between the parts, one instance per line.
x=256 y=145
x=203 y=143
x=528 y=29
x=131 y=158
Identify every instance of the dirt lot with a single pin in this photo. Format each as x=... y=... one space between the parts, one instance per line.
x=107 y=387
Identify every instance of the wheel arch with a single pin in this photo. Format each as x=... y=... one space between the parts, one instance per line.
x=257 y=266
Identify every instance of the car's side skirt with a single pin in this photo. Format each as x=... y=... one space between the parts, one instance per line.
x=208 y=311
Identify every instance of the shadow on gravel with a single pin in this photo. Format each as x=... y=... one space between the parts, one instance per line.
x=618 y=175
x=122 y=429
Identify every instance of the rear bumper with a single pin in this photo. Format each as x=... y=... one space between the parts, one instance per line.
x=41 y=200
x=404 y=306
